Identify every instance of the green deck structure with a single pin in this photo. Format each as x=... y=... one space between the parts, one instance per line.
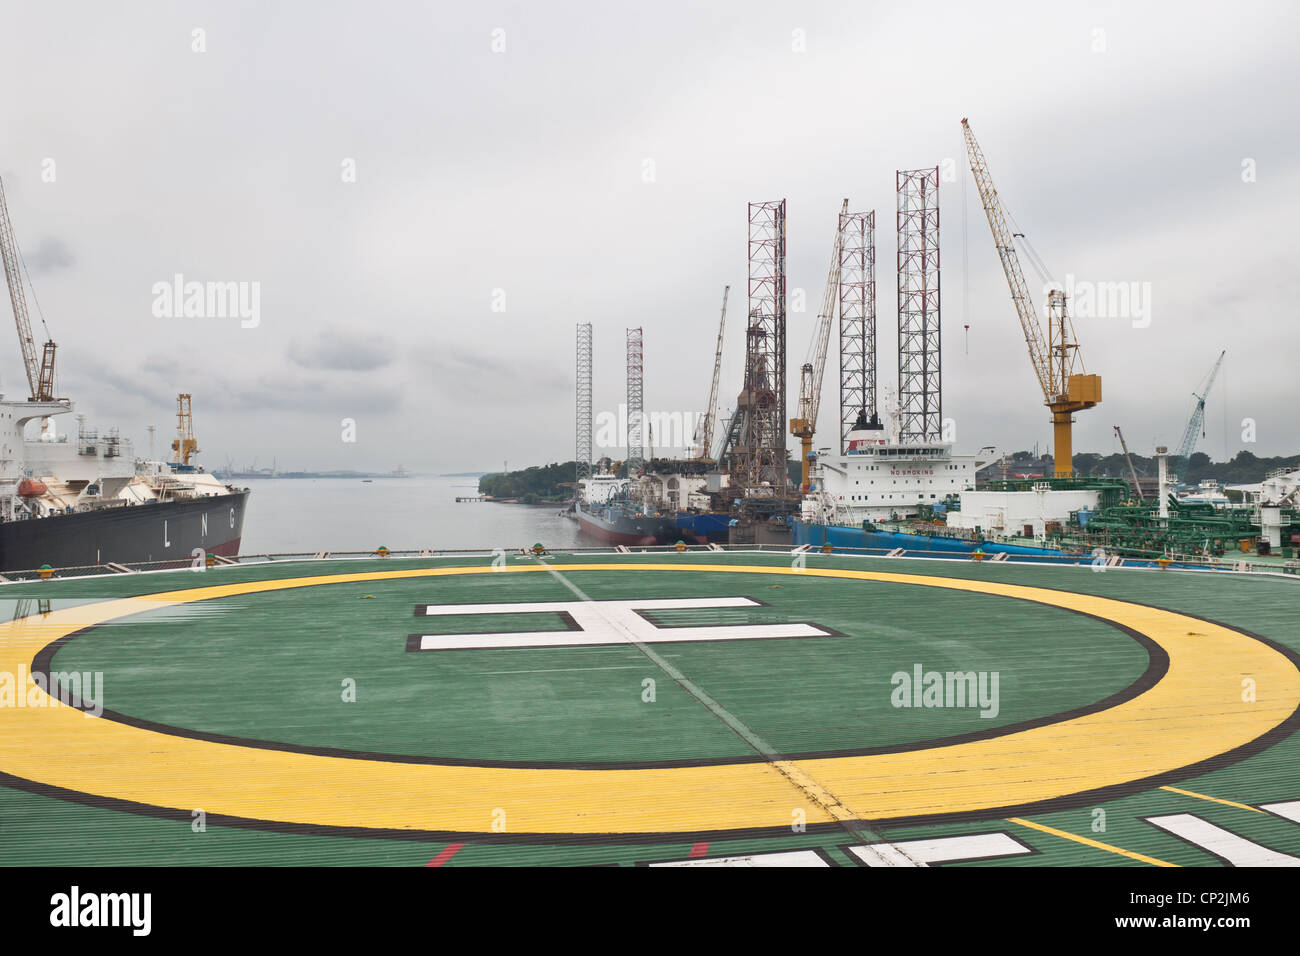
x=332 y=675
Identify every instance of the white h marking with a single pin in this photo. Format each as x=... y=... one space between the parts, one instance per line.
x=608 y=622
x=1236 y=850
x=978 y=846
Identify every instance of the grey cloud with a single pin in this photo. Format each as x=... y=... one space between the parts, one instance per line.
x=530 y=179
x=50 y=256
x=338 y=351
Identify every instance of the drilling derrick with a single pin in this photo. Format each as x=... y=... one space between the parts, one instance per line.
x=758 y=457
x=920 y=392
x=582 y=416
x=857 y=323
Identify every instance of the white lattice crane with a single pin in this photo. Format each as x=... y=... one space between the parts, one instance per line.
x=39 y=367
x=1196 y=424
x=1054 y=357
x=704 y=434
x=804 y=425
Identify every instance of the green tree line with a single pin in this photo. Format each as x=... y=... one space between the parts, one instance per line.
x=1245 y=468
x=531 y=485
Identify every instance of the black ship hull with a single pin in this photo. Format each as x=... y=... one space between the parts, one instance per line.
x=617 y=526
x=164 y=534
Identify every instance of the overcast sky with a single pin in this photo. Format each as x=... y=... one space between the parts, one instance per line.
x=1155 y=146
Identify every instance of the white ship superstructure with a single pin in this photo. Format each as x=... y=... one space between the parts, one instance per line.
x=600 y=489
x=60 y=474
x=879 y=478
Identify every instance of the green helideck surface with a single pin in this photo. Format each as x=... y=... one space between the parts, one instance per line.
x=274 y=667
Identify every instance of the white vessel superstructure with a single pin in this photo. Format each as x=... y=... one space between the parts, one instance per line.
x=880 y=478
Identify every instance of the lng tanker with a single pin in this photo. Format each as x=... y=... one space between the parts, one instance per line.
x=77 y=503
x=83 y=500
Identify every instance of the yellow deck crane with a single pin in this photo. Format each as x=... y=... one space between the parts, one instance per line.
x=704 y=434
x=804 y=424
x=185 y=443
x=40 y=368
x=1055 y=359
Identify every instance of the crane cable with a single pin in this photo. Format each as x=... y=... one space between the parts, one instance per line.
x=1045 y=275
x=32 y=285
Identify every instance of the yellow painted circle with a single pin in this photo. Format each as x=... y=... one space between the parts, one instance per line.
x=1195 y=713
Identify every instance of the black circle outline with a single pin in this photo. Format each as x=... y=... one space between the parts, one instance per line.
x=1083 y=798
x=1157 y=667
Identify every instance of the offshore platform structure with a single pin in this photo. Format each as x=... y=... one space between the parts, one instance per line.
x=582 y=416
x=757 y=461
x=920 y=387
x=635 y=403
x=857 y=295
x=1055 y=357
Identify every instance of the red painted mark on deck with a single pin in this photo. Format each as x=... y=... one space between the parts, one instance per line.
x=698 y=850
x=451 y=850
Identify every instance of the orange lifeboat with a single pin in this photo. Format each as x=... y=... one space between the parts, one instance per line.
x=31 y=488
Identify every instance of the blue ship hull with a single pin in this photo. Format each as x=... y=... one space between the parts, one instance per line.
x=704 y=528
x=839 y=536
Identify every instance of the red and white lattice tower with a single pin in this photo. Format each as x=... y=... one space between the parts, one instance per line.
x=920 y=392
x=857 y=323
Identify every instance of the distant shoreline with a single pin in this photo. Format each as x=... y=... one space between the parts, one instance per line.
x=301 y=475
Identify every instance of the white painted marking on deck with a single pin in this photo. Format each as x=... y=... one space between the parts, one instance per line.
x=798 y=858
x=799 y=778
x=609 y=622
x=1289 y=809
x=558 y=670
x=1236 y=850
x=979 y=846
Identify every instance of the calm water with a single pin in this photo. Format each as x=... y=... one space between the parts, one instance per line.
x=342 y=514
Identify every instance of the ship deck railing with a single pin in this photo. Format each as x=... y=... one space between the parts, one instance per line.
x=1244 y=564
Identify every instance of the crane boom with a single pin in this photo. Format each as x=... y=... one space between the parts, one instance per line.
x=18 y=299
x=1053 y=356
x=810 y=381
x=1137 y=485
x=705 y=431
x=810 y=400
x=1196 y=423
x=1006 y=246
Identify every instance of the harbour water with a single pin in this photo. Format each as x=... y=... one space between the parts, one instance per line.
x=347 y=514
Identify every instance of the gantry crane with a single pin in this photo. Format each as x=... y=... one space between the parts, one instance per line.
x=704 y=434
x=1055 y=358
x=804 y=424
x=40 y=368
x=184 y=444
x=1196 y=424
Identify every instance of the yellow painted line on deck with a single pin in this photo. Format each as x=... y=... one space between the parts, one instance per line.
x=1193 y=714
x=1088 y=841
x=1201 y=796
